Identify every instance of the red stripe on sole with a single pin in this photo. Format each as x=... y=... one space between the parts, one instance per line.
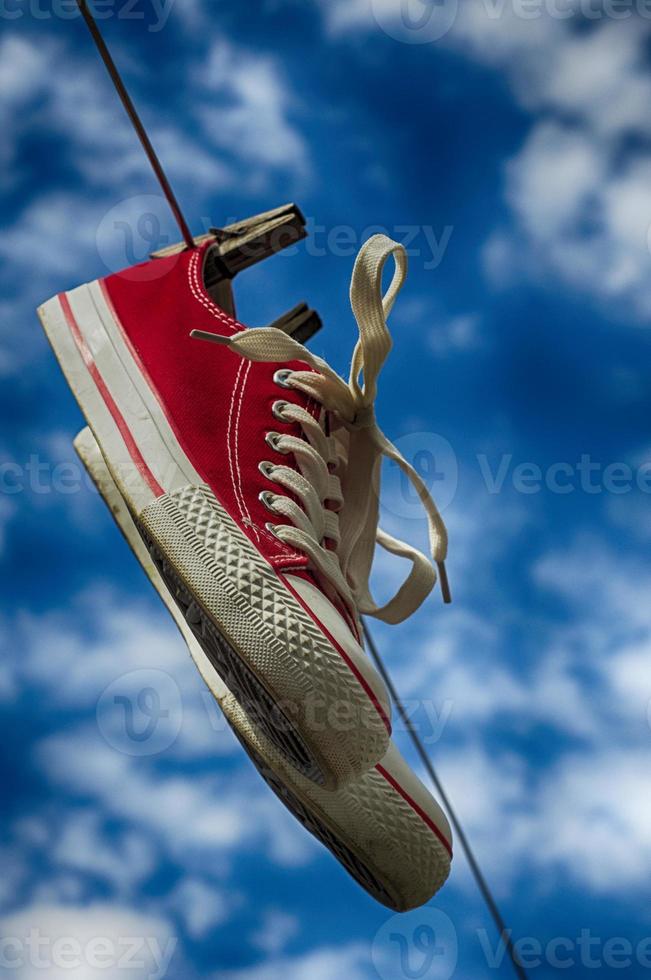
x=109 y=401
x=417 y=809
x=355 y=670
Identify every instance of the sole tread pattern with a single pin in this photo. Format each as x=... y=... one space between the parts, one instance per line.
x=257 y=703
x=308 y=818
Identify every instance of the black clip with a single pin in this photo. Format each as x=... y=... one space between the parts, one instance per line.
x=245 y=243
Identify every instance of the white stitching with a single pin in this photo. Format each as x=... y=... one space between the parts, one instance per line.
x=212 y=308
x=290 y=557
x=236 y=446
x=228 y=441
x=229 y=321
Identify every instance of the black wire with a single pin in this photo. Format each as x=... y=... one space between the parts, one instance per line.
x=482 y=884
x=136 y=122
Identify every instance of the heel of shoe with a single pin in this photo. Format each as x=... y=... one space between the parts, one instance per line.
x=114 y=396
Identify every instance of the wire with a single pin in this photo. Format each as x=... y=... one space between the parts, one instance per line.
x=478 y=875
x=136 y=122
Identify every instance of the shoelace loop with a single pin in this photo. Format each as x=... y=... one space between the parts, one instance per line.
x=355 y=449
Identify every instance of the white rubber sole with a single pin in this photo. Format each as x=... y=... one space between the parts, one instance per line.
x=324 y=707
x=384 y=828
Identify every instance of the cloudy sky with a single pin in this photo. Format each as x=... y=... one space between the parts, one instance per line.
x=509 y=145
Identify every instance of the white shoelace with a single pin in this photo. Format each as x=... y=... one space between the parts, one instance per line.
x=345 y=513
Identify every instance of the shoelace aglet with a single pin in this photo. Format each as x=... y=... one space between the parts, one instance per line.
x=213 y=338
x=445 y=584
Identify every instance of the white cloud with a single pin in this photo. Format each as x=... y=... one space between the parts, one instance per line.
x=8 y=356
x=581 y=210
x=249 y=109
x=79 y=943
x=583 y=813
x=578 y=217
x=183 y=811
x=47 y=220
x=113 y=645
x=584 y=817
x=275 y=931
x=592 y=819
x=465 y=671
x=580 y=207
x=599 y=585
x=588 y=810
x=601 y=77
x=459 y=333
x=123 y=859
x=551 y=182
x=22 y=74
x=75 y=101
x=193 y=817
x=631 y=513
x=630 y=679
x=500 y=260
x=72 y=100
x=201 y=906
x=349 y=961
x=14 y=873
x=491 y=32
x=609 y=636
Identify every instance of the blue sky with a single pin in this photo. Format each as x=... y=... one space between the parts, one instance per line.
x=513 y=148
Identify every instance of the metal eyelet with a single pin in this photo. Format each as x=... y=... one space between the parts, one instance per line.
x=281 y=377
x=272 y=530
x=267 y=498
x=271 y=439
x=277 y=408
x=266 y=468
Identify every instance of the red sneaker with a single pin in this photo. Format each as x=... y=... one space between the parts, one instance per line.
x=385 y=828
x=230 y=461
